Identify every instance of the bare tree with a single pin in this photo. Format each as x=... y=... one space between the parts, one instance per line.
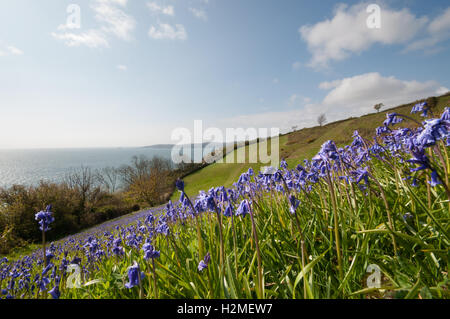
x=146 y=180
x=322 y=119
x=294 y=128
x=108 y=177
x=378 y=107
x=83 y=181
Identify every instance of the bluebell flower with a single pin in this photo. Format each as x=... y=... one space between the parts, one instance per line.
x=434 y=179
x=268 y=170
x=421 y=159
x=392 y=119
x=446 y=114
x=223 y=195
x=54 y=292
x=134 y=276
x=203 y=264
x=180 y=185
x=43 y=284
x=327 y=152
x=228 y=211
x=434 y=130
x=47 y=269
x=293 y=204
x=244 y=178
x=243 y=208
x=44 y=219
x=149 y=251
x=163 y=228
x=420 y=107
x=381 y=130
x=361 y=174
x=407 y=217
x=210 y=203
x=48 y=255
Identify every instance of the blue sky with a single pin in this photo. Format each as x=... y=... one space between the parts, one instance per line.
x=136 y=70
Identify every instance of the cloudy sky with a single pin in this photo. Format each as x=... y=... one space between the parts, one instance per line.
x=132 y=71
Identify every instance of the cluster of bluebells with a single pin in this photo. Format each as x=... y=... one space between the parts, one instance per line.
x=45 y=218
x=350 y=164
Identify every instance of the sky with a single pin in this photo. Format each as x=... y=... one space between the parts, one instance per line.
x=117 y=73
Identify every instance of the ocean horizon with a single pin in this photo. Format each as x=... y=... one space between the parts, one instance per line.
x=30 y=166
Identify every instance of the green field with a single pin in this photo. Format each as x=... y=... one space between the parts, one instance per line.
x=297 y=146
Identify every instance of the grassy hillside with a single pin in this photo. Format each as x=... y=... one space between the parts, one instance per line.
x=302 y=144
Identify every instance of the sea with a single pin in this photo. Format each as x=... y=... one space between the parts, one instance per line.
x=29 y=166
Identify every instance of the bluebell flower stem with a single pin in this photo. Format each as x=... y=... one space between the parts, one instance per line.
x=386 y=205
x=336 y=225
x=154 y=279
x=258 y=254
x=234 y=244
x=43 y=249
x=219 y=220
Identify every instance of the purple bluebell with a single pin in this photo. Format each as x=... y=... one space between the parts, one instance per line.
x=203 y=264
x=180 y=185
x=243 y=208
x=293 y=204
x=44 y=219
x=149 y=251
x=228 y=212
x=392 y=119
x=134 y=275
x=420 y=107
x=434 y=179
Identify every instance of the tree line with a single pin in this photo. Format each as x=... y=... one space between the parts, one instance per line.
x=86 y=197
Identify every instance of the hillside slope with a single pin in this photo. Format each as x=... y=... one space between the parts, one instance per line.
x=303 y=144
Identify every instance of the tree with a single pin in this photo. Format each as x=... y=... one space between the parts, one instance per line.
x=146 y=180
x=378 y=106
x=108 y=177
x=322 y=119
x=294 y=128
x=83 y=182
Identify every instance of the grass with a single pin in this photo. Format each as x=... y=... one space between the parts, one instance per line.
x=297 y=146
x=320 y=248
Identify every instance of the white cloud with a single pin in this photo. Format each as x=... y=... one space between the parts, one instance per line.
x=167 y=31
x=347 y=33
x=437 y=31
x=361 y=92
x=156 y=8
x=114 y=21
x=13 y=50
x=353 y=96
x=6 y=50
x=441 y=23
x=91 y=39
x=199 y=13
x=117 y=21
x=122 y=67
x=295 y=100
